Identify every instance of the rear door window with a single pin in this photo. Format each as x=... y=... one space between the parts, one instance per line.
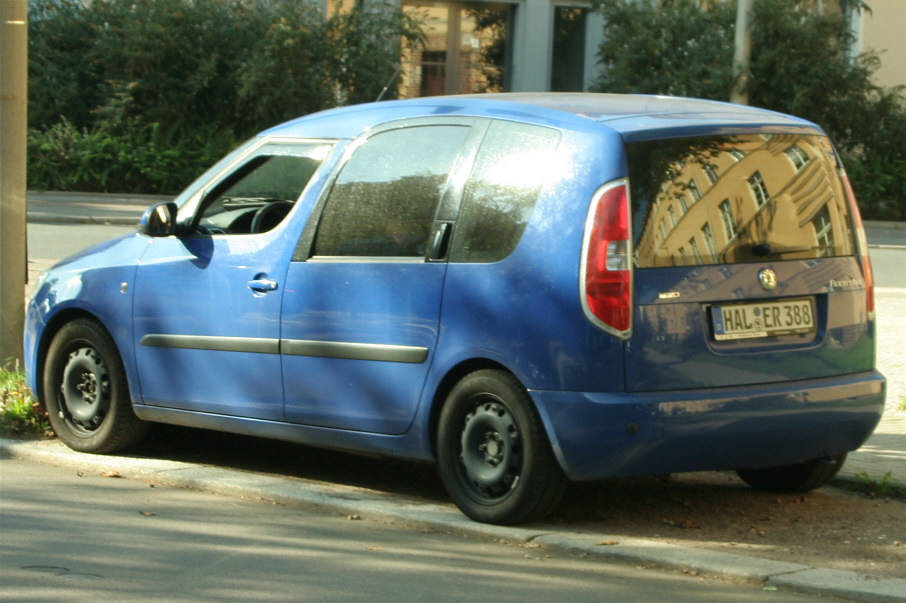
x=384 y=200
x=511 y=166
x=737 y=199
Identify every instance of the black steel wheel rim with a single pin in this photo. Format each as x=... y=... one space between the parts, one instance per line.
x=84 y=390
x=490 y=454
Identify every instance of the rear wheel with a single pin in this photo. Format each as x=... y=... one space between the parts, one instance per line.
x=86 y=392
x=800 y=477
x=493 y=454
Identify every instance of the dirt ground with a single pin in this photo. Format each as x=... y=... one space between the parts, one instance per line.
x=830 y=528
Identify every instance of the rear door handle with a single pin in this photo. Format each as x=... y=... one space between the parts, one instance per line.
x=262 y=284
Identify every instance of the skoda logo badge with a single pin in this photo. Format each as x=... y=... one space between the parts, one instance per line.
x=767 y=278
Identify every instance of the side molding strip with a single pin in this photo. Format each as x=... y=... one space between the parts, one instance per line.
x=291 y=347
x=218 y=344
x=354 y=351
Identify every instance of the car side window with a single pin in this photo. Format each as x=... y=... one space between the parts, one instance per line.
x=260 y=193
x=385 y=198
x=511 y=166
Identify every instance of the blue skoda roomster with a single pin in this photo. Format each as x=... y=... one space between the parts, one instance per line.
x=524 y=289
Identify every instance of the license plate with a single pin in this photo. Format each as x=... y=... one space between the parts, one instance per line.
x=764 y=319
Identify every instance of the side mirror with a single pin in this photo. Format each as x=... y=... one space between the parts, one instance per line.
x=159 y=220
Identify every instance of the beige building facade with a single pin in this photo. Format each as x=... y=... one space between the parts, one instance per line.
x=883 y=29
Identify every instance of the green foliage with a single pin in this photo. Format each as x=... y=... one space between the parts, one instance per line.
x=878 y=487
x=799 y=65
x=20 y=414
x=134 y=157
x=672 y=47
x=142 y=95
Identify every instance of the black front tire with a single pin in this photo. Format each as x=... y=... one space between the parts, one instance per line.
x=493 y=453
x=86 y=393
x=800 y=477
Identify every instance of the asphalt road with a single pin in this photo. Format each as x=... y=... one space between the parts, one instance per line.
x=72 y=536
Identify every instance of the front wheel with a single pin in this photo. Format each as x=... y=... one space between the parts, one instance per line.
x=800 y=477
x=86 y=393
x=493 y=453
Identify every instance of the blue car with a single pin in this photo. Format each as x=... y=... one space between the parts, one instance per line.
x=525 y=289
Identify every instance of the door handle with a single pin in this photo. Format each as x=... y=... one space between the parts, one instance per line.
x=262 y=284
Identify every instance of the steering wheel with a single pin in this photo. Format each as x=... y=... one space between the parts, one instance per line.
x=269 y=215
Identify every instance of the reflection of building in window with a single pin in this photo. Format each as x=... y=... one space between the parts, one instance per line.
x=824 y=232
x=792 y=205
x=726 y=215
x=797 y=156
x=693 y=188
x=695 y=252
x=709 y=241
x=759 y=189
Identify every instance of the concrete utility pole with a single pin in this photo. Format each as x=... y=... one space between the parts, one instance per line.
x=13 y=107
x=742 y=53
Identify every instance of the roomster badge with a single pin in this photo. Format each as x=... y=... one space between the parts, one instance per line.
x=767 y=278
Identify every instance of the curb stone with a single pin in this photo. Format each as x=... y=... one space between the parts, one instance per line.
x=368 y=504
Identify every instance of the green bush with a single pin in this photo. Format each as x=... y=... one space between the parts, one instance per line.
x=140 y=158
x=142 y=95
x=799 y=65
x=20 y=414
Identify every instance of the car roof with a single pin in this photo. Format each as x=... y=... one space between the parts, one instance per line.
x=633 y=116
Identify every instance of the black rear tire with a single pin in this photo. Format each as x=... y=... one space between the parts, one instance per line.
x=86 y=393
x=800 y=477
x=493 y=453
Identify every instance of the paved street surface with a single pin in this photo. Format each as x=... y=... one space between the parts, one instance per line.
x=71 y=536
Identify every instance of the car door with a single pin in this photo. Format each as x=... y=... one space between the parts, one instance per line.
x=363 y=294
x=207 y=303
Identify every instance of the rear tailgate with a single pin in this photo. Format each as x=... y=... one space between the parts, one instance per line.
x=746 y=264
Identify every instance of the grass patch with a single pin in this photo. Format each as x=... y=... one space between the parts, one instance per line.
x=20 y=413
x=877 y=487
x=902 y=402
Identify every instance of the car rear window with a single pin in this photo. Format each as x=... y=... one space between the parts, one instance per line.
x=734 y=199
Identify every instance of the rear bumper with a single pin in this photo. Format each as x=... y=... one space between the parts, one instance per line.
x=601 y=435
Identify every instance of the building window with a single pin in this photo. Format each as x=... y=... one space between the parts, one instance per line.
x=824 y=232
x=737 y=154
x=568 y=53
x=711 y=172
x=682 y=203
x=709 y=241
x=726 y=215
x=695 y=253
x=464 y=50
x=693 y=190
x=759 y=189
x=672 y=213
x=797 y=156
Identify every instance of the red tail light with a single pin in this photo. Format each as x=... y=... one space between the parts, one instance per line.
x=606 y=277
x=864 y=260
